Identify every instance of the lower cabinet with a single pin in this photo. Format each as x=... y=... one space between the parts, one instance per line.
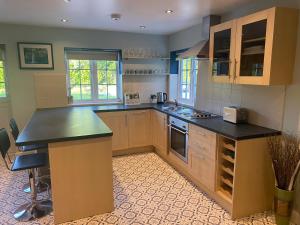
x=159 y=131
x=130 y=128
x=139 y=131
x=202 y=156
x=117 y=122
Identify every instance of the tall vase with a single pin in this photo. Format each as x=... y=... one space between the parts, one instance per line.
x=283 y=204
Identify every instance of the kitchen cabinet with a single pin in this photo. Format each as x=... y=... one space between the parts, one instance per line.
x=222 y=51
x=257 y=49
x=202 y=155
x=159 y=131
x=117 y=122
x=245 y=180
x=139 y=132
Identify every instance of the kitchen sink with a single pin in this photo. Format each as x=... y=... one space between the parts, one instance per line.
x=173 y=108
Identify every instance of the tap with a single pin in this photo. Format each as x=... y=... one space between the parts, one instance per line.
x=176 y=103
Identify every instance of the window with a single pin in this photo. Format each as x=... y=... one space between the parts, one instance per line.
x=187 y=81
x=94 y=76
x=3 y=93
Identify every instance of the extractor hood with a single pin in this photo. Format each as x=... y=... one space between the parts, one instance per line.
x=201 y=49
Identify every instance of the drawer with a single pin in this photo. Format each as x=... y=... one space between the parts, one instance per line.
x=203 y=150
x=203 y=169
x=201 y=133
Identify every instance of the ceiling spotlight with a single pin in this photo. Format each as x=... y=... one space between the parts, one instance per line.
x=143 y=27
x=64 y=20
x=115 y=16
x=67 y=1
x=169 y=11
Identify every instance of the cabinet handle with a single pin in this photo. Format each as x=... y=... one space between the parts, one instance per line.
x=235 y=63
x=164 y=123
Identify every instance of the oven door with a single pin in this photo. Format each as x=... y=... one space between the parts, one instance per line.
x=178 y=140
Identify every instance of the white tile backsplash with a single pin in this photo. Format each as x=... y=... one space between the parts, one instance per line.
x=145 y=85
x=265 y=104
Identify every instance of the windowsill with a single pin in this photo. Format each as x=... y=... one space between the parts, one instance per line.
x=95 y=103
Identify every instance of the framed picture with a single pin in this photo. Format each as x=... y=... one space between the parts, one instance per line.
x=35 y=55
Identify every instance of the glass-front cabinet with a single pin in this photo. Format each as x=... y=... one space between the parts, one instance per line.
x=222 y=50
x=257 y=49
x=252 y=48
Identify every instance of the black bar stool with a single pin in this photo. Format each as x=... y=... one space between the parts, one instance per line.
x=41 y=186
x=34 y=209
x=15 y=133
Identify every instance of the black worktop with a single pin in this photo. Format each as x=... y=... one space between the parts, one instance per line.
x=217 y=125
x=81 y=122
x=62 y=124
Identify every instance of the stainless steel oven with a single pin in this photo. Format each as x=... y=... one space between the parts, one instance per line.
x=178 y=138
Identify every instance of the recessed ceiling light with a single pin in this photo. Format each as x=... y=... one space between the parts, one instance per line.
x=115 y=16
x=143 y=27
x=67 y=1
x=169 y=11
x=64 y=20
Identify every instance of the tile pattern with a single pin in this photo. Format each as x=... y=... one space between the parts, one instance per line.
x=147 y=191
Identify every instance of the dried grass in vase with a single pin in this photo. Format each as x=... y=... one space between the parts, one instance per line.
x=285 y=154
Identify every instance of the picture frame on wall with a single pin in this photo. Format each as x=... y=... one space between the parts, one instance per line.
x=35 y=55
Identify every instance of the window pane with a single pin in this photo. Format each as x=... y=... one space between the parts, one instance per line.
x=188 y=76
x=2 y=90
x=102 y=91
x=85 y=64
x=75 y=92
x=184 y=75
x=101 y=65
x=1 y=75
x=74 y=77
x=102 y=77
x=183 y=91
x=111 y=77
x=73 y=64
x=85 y=77
x=112 y=91
x=86 y=93
x=112 y=65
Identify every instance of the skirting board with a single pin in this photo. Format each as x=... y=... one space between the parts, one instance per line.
x=133 y=150
x=295 y=217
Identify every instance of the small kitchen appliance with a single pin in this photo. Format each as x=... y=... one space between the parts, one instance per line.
x=235 y=114
x=161 y=97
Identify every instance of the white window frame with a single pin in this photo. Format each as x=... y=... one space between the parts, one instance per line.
x=94 y=85
x=193 y=84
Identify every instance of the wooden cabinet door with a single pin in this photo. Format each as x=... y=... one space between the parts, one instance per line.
x=139 y=130
x=221 y=51
x=117 y=122
x=202 y=155
x=159 y=131
x=254 y=40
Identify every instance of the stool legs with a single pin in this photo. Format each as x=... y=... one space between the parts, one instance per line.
x=34 y=209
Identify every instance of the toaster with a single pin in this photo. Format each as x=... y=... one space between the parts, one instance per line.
x=235 y=114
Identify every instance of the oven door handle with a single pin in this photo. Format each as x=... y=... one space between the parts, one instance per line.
x=186 y=133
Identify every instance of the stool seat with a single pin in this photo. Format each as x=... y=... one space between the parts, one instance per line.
x=26 y=148
x=24 y=162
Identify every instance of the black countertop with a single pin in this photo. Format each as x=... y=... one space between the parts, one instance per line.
x=217 y=125
x=81 y=122
x=62 y=124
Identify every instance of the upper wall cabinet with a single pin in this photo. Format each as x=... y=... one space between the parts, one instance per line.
x=222 y=51
x=257 y=49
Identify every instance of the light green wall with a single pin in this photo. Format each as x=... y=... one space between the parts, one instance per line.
x=21 y=83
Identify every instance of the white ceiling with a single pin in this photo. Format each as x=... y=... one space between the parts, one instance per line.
x=95 y=14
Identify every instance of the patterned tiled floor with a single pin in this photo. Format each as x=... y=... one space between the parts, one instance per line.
x=147 y=191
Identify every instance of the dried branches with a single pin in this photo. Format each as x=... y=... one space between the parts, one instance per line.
x=285 y=154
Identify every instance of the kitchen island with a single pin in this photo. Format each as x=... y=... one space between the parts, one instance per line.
x=80 y=157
